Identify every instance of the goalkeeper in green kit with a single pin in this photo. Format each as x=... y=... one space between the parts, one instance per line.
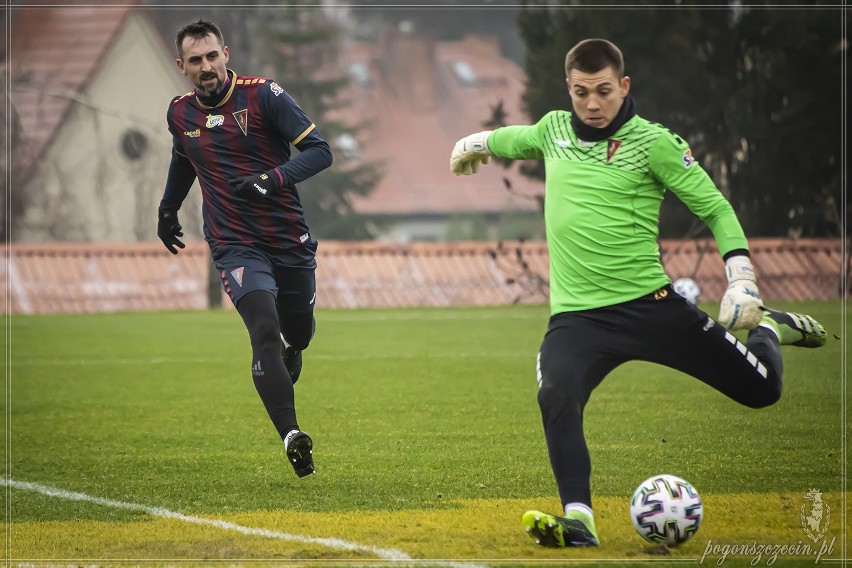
x=607 y=169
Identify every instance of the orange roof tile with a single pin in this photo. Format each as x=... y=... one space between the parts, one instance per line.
x=415 y=109
x=57 y=278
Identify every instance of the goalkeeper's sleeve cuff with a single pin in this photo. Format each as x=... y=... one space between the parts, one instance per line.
x=739 y=268
x=478 y=143
x=735 y=252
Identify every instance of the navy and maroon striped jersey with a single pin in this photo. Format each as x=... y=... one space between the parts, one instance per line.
x=249 y=131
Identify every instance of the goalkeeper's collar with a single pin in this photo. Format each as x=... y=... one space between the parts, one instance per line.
x=591 y=134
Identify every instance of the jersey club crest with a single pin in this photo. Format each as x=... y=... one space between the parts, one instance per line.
x=241 y=116
x=612 y=147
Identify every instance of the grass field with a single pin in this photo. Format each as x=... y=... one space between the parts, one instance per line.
x=428 y=444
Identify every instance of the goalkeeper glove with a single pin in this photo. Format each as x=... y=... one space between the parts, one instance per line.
x=741 y=304
x=169 y=229
x=261 y=185
x=469 y=152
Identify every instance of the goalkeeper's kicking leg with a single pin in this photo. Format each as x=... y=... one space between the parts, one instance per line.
x=749 y=373
x=581 y=348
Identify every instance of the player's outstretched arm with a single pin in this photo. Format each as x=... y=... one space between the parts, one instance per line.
x=469 y=153
x=741 y=304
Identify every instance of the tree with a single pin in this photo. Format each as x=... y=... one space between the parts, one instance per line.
x=303 y=46
x=786 y=179
x=756 y=92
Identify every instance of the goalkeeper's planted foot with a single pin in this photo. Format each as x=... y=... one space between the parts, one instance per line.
x=575 y=529
x=799 y=330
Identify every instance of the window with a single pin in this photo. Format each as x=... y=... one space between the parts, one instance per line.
x=134 y=144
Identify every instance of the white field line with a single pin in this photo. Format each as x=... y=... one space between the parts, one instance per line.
x=336 y=543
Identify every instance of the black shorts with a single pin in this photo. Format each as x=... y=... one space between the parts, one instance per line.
x=581 y=348
x=290 y=277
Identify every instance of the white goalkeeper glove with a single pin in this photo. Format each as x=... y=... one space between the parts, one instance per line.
x=741 y=304
x=469 y=153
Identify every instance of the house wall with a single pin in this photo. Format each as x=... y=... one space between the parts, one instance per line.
x=85 y=188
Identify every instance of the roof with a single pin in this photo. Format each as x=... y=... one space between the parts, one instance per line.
x=55 y=51
x=99 y=278
x=417 y=97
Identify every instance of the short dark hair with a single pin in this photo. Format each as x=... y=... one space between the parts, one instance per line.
x=197 y=30
x=593 y=55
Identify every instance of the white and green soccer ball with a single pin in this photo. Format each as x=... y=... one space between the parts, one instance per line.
x=666 y=509
x=688 y=288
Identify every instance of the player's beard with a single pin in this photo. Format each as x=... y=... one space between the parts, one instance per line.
x=214 y=90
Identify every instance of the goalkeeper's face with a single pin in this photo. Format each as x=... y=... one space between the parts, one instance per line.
x=203 y=61
x=597 y=97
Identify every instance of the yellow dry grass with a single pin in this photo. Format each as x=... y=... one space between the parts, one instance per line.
x=488 y=531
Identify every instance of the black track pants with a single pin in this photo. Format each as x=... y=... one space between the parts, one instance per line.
x=581 y=348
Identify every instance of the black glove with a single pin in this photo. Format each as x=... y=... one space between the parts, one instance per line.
x=266 y=184
x=169 y=229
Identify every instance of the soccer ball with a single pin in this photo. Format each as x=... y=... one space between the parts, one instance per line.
x=666 y=509
x=687 y=288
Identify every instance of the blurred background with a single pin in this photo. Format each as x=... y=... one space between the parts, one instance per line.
x=757 y=90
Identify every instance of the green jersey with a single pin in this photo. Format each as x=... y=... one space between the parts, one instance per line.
x=602 y=205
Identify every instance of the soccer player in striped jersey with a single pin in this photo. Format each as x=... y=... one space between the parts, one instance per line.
x=235 y=134
x=611 y=302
